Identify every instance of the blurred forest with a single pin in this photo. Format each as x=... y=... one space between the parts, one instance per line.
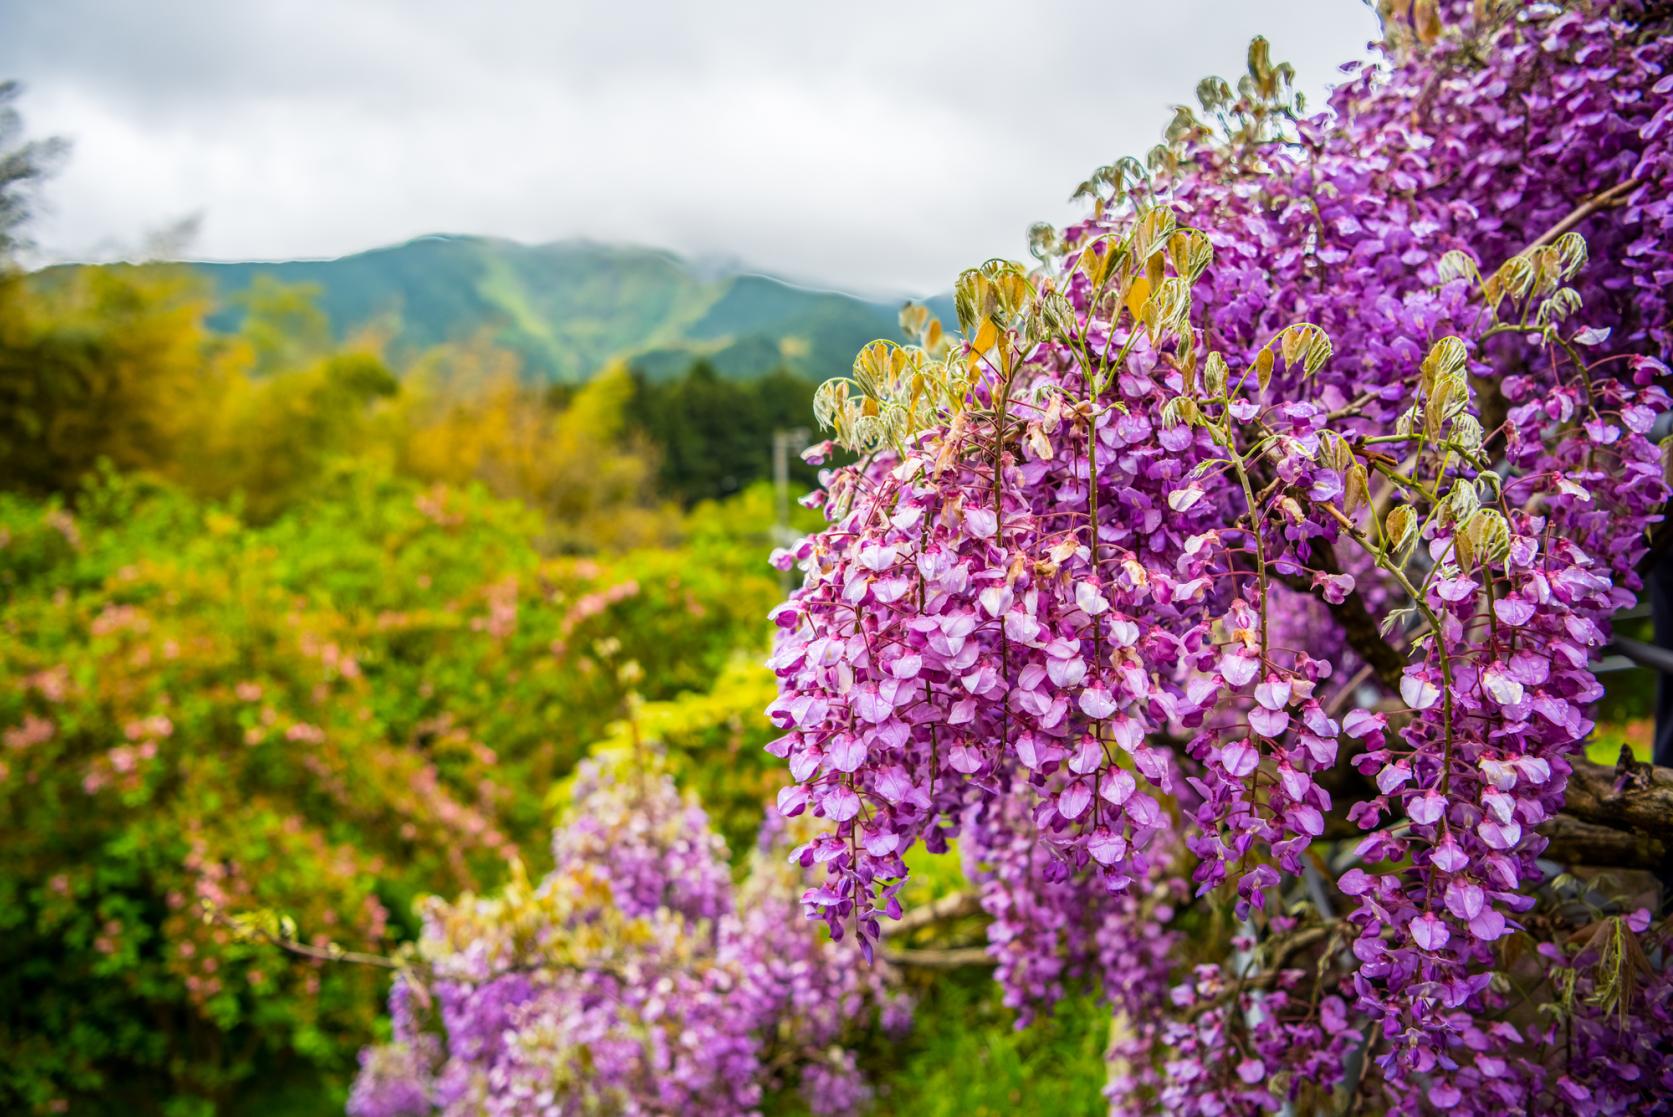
x=120 y=365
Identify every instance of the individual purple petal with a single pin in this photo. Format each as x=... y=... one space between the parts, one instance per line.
x=1426 y=809
x=1418 y=692
x=1429 y=931
x=1096 y=702
x=1074 y=800
x=1360 y=724
x=1448 y=857
x=1239 y=758
x=840 y=803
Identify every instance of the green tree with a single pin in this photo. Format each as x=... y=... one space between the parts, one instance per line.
x=715 y=435
x=284 y=324
x=272 y=438
x=96 y=363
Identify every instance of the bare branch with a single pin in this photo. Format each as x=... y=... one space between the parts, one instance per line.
x=330 y=952
x=1631 y=796
x=956 y=906
x=1606 y=199
x=1584 y=843
x=955 y=958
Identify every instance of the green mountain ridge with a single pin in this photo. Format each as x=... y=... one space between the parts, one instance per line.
x=569 y=307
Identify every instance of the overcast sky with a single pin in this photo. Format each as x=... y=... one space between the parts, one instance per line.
x=874 y=146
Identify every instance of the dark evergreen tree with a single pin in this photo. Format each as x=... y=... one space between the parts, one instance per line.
x=715 y=435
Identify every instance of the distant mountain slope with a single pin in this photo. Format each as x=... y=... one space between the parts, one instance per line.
x=571 y=306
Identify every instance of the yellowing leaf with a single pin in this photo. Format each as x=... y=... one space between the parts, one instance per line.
x=1463 y=549
x=1400 y=527
x=1356 y=489
x=912 y=318
x=1137 y=295
x=1427 y=18
x=1154 y=269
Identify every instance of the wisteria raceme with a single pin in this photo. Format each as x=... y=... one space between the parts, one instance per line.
x=655 y=849
x=630 y=979
x=1288 y=499
x=1048 y=929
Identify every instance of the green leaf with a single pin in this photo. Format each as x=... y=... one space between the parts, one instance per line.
x=1215 y=374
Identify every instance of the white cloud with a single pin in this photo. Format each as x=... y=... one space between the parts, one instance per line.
x=877 y=146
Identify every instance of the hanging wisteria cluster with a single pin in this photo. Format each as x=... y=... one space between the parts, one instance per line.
x=633 y=979
x=1229 y=586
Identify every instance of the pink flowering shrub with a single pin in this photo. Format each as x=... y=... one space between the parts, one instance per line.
x=324 y=717
x=1229 y=586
